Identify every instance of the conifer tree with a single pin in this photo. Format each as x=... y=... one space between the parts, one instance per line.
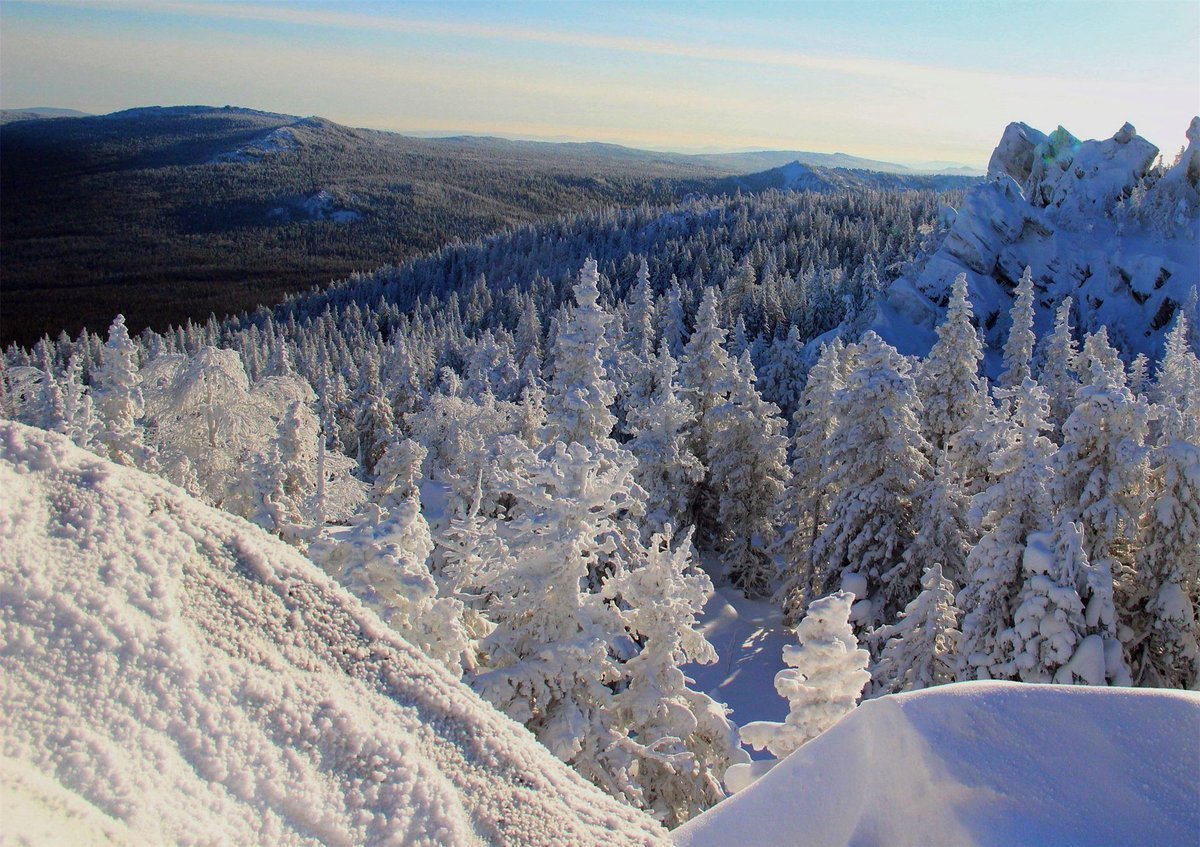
x=117 y=387
x=920 y=649
x=1059 y=377
x=826 y=674
x=748 y=471
x=684 y=741
x=876 y=465
x=948 y=380
x=1018 y=349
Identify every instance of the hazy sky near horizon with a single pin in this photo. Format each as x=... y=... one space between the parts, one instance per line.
x=904 y=81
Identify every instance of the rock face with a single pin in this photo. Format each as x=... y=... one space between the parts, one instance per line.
x=173 y=674
x=1095 y=220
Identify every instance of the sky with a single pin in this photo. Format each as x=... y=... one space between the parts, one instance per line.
x=904 y=81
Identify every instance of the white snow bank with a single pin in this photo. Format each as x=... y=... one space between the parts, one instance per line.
x=172 y=674
x=981 y=763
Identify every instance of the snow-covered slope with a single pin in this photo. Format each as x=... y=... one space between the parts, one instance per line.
x=171 y=674
x=1093 y=221
x=981 y=763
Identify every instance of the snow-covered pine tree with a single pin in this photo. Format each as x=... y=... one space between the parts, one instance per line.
x=684 y=741
x=876 y=464
x=1169 y=571
x=1048 y=623
x=383 y=560
x=667 y=468
x=1016 y=505
x=1177 y=387
x=920 y=650
x=826 y=674
x=117 y=388
x=805 y=497
x=581 y=395
x=373 y=418
x=1058 y=376
x=948 y=380
x=944 y=535
x=747 y=471
x=708 y=374
x=1102 y=465
x=1018 y=349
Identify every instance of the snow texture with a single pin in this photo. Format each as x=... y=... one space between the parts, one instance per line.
x=981 y=763
x=172 y=674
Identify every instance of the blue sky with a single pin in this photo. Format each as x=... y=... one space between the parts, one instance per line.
x=907 y=81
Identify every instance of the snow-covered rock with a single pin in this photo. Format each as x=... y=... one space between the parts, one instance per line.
x=172 y=674
x=980 y=763
x=1093 y=219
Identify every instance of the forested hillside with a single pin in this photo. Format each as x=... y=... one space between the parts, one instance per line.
x=519 y=451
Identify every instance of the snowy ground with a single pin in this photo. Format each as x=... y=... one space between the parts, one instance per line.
x=749 y=636
x=985 y=764
x=174 y=675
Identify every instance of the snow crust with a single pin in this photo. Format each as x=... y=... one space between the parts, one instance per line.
x=981 y=763
x=1090 y=218
x=172 y=674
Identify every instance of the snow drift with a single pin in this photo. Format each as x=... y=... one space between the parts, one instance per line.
x=172 y=674
x=981 y=763
x=1095 y=220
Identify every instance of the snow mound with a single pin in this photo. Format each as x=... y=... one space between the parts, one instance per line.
x=981 y=763
x=172 y=674
x=1093 y=219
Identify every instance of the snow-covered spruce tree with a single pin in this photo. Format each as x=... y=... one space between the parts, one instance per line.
x=708 y=374
x=373 y=418
x=876 y=464
x=1017 y=504
x=117 y=388
x=79 y=421
x=948 y=380
x=581 y=395
x=1048 y=622
x=1177 y=387
x=667 y=468
x=1018 y=348
x=783 y=375
x=805 y=497
x=1169 y=571
x=944 y=535
x=826 y=674
x=1102 y=465
x=919 y=650
x=382 y=560
x=672 y=324
x=682 y=739
x=1058 y=376
x=553 y=658
x=747 y=471
x=635 y=356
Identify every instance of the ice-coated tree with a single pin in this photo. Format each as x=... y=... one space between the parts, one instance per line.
x=708 y=375
x=944 y=535
x=1059 y=376
x=1169 y=570
x=1048 y=622
x=117 y=388
x=921 y=648
x=747 y=471
x=1017 y=504
x=683 y=739
x=581 y=395
x=877 y=463
x=79 y=421
x=826 y=674
x=804 y=500
x=552 y=660
x=636 y=353
x=1102 y=465
x=1018 y=349
x=783 y=374
x=667 y=469
x=383 y=560
x=948 y=380
x=1177 y=388
x=296 y=452
x=672 y=325
x=373 y=418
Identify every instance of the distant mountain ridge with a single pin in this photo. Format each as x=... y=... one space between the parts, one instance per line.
x=35 y=113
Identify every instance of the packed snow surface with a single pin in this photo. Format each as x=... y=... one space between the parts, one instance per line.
x=172 y=674
x=981 y=763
